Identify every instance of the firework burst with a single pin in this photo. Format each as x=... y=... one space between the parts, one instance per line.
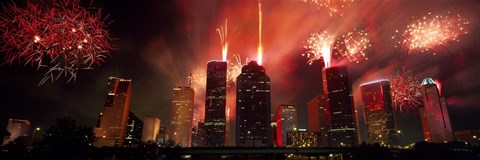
x=334 y=7
x=64 y=38
x=432 y=31
x=405 y=89
x=234 y=69
x=353 y=45
x=319 y=45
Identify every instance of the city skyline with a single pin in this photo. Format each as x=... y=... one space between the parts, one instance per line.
x=159 y=57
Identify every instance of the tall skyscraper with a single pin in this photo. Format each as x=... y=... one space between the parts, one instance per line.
x=337 y=87
x=17 y=128
x=378 y=111
x=151 y=129
x=215 y=103
x=182 y=116
x=318 y=118
x=133 y=134
x=434 y=114
x=286 y=122
x=253 y=107
x=114 y=117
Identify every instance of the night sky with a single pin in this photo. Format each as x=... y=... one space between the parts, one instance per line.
x=161 y=42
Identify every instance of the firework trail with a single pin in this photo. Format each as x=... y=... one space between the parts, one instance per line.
x=64 y=38
x=320 y=46
x=334 y=7
x=234 y=69
x=431 y=31
x=223 y=33
x=260 y=47
x=353 y=45
x=405 y=89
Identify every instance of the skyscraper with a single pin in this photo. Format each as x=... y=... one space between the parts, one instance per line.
x=318 y=118
x=17 y=128
x=286 y=122
x=378 y=110
x=151 y=129
x=215 y=101
x=198 y=135
x=434 y=114
x=253 y=107
x=133 y=134
x=114 y=117
x=182 y=116
x=337 y=87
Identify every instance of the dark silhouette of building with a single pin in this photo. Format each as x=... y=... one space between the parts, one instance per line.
x=378 y=110
x=114 y=117
x=182 y=116
x=253 y=107
x=198 y=135
x=318 y=118
x=215 y=103
x=471 y=136
x=434 y=114
x=133 y=136
x=286 y=122
x=341 y=112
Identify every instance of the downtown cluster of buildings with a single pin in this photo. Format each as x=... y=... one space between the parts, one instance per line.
x=332 y=118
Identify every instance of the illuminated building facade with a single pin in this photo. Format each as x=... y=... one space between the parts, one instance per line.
x=215 y=103
x=317 y=118
x=114 y=117
x=151 y=129
x=133 y=134
x=435 y=120
x=378 y=110
x=253 y=107
x=303 y=138
x=286 y=122
x=341 y=118
x=182 y=116
x=17 y=128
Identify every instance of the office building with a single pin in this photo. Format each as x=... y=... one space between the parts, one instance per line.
x=378 y=111
x=434 y=115
x=17 y=128
x=286 y=122
x=133 y=134
x=114 y=116
x=151 y=129
x=253 y=107
x=182 y=116
x=215 y=103
x=303 y=138
x=341 y=111
x=318 y=118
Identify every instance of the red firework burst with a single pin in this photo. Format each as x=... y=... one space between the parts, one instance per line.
x=64 y=38
x=405 y=89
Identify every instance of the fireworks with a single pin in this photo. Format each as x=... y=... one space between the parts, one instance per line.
x=405 y=90
x=319 y=45
x=333 y=6
x=355 y=44
x=223 y=33
x=234 y=69
x=432 y=31
x=260 y=47
x=64 y=38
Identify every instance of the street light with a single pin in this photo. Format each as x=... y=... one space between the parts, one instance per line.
x=403 y=136
x=33 y=134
